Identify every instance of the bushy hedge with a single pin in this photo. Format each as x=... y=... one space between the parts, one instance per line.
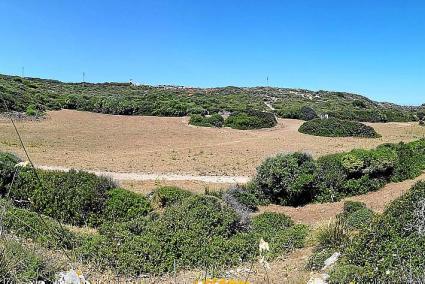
x=73 y=197
x=296 y=179
x=41 y=229
x=390 y=250
x=196 y=231
x=168 y=195
x=123 y=205
x=250 y=119
x=286 y=179
x=214 y=120
x=334 y=127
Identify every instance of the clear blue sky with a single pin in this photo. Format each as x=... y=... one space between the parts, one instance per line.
x=372 y=47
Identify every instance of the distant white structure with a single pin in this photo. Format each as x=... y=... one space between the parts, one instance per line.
x=324 y=116
x=133 y=83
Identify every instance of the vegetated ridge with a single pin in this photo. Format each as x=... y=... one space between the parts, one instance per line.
x=33 y=95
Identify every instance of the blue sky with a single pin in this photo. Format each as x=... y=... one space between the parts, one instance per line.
x=375 y=48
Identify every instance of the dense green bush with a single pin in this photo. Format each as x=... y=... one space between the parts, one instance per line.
x=168 y=195
x=214 y=120
x=286 y=179
x=296 y=179
x=123 y=205
x=391 y=249
x=7 y=170
x=333 y=127
x=41 y=229
x=196 y=231
x=307 y=113
x=250 y=120
x=73 y=197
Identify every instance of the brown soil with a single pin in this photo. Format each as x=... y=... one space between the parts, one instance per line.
x=169 y=145
x=199 y=187
x=317 y=214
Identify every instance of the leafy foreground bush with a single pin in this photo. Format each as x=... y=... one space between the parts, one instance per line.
x=41 y=229
x=20 y=264
x=7 y=170
x=391 y=249
x=214 y=120
x=251 y=120
x=198 y=232
x=286 y=179
x=333 y=127
x=76 y=198
x=297 y=179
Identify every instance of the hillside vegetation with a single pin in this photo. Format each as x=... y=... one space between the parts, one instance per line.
x=171 y=229
x=333 y=127
x=376 y=248
x=35 y=96
x=296 y=179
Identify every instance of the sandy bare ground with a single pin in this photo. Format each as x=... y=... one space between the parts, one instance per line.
x=157 y=177
x=164 y=145
x=320 y=213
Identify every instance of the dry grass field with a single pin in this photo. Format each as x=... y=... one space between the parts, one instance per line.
x=163 y=145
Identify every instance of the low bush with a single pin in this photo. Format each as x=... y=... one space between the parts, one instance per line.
x=195 y=232
x=244 y=197
x=7 y=170
x=20 y=264
x=214 y=120
x=296 y=179
x=307 y=113
x=251 y=120
x=123 y=205
x=76 y=198
x=168 y=195
x=334 y=127
x=41 y=229
x=391 y=248
x=286 y=179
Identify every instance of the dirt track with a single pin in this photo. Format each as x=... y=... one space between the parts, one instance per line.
x=164 y=145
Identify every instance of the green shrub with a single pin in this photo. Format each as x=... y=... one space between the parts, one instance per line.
x=346 y=273
x=123 y=205
x=20 y=264
x=353 y=206
x=333 y=127
x=168 y=195
x=244 y=197
x=251 y=120
x=267 y=223
x=286 y=179
x=359 y=219
x=214 y=120
x=41 y=229
x=391 y=249
x=76 y=198
x=7 y=170
x=307 y=113
x=196 y=232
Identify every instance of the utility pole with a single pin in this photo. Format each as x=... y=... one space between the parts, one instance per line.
x=267 y=81
x=84 y=78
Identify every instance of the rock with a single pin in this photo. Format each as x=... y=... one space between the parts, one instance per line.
x=331 y=260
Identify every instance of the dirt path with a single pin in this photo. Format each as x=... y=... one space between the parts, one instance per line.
x=161 y=177
x=316 y=214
